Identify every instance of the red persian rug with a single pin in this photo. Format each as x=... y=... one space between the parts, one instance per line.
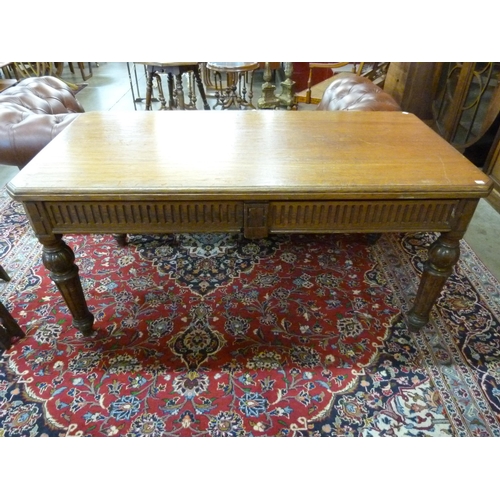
x=215 y=335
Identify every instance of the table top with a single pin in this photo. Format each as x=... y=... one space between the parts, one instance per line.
x=257 y=155
x=167 y=64
x=233 y=66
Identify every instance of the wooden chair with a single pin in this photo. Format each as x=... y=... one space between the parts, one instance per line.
x=9 y=329
x=81 y=67
x=234 y=92
x=176 y=99
x=307 y=96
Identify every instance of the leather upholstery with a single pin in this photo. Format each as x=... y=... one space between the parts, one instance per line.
x=349 y=91
x=32 y=113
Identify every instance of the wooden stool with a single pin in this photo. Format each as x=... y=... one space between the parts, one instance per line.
x=9 y=329
x=177 y=69
x=237 y=76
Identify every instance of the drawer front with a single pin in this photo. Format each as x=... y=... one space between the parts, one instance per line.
x=137 y=216
x=399 y=215
x=256 y=219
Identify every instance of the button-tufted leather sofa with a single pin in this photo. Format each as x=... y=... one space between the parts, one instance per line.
x=352 y=92
x=32 y=113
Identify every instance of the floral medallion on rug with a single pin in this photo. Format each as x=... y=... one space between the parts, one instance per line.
x=216 y=335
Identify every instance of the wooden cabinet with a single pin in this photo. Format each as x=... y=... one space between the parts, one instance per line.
x=412 y=86
x=493 y=170
x=460 y=101
x=467 y=101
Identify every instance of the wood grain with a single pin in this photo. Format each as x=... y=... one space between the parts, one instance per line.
x=254 y=155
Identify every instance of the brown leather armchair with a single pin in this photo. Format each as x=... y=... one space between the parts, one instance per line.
x=32 y=113
x=352 y=92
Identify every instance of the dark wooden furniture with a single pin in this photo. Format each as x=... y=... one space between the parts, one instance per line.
x=467 y=101
x=3 y=274
x=9 y=329
x=461 y=101
x=173 y=69
x=493 y=169
x=411 y=84
x=307 y=172
x=81 y=67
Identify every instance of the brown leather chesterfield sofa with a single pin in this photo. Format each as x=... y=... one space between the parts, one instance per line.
x=32 y=113
x=349 y=91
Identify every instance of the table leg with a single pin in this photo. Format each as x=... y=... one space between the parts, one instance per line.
x=161 y=95
x=131 y=84
x=149 y=90
x=59 y=259
x=201 y=89
x=443 y=255
x=170 y=83
x=191 y=91
x=179 y=91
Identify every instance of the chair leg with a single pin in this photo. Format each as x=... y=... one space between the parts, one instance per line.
x=161 y=95
x=170 y=83
x=81 y=66
x=201 y=89
x=3 y=274
x=121 y=239
x=179 y=91
x=149 y=89
x=9 y=329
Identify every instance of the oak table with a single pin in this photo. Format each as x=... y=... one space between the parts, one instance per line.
x=274 y=171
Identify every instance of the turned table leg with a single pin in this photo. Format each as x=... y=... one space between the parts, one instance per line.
x=179 y=91
x=170 y=83
x=149 y=90
x=201 y=89
x=443 y=255
x=59 y=259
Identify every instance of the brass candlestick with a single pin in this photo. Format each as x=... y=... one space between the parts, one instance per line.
x=287 y=96
x=268 y=99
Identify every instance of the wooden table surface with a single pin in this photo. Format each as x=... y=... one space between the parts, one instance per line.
x=251 y=171
x=254 y=155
